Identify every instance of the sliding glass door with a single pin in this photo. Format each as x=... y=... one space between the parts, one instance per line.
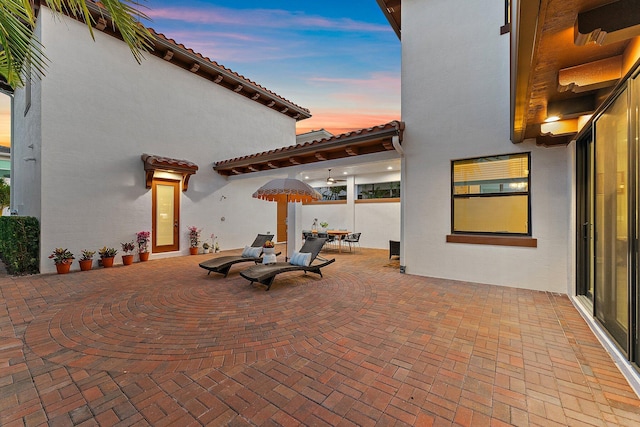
x=608 y=215
x=612 y=249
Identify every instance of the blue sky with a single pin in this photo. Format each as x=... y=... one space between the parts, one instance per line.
x=339 y=59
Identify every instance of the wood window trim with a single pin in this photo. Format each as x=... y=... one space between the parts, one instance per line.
x=326 y=202
x=382 y=200
x=483 y=239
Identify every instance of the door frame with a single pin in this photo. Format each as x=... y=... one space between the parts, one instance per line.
x=176 y=184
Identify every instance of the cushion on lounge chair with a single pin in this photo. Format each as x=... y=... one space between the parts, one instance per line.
x=303 y=259
x=266 y=274
x=251 y=252
x=222 y=264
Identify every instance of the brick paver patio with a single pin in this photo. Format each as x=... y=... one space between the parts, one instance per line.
x=162 y=343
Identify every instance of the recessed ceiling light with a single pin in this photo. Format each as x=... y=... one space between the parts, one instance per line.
x=389 y=167
x=344 y=173
x=306 y=177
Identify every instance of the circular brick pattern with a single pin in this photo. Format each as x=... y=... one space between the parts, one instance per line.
x=182 y=327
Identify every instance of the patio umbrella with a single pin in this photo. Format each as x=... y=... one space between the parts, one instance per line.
x=288 y=190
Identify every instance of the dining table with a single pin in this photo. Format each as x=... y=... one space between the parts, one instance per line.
x=338 y=234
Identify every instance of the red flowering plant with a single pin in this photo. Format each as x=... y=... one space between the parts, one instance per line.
x=194 y=236
x=143 y=240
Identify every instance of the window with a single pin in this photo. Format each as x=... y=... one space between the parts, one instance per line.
x=380 y=190
x=490 y=195
x=507 y=18
x=334 y=192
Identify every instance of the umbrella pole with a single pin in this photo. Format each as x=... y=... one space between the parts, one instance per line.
x=286 y=241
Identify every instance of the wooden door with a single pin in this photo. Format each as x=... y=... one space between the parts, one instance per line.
x=166 y=215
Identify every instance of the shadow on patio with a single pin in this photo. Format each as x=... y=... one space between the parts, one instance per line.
x=162 y=343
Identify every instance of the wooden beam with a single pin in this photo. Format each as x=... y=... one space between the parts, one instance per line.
x=101 y=24
x=238 y=88
x=572 y=107
x=236 y=171
x=590 y=76
x=218 y=79
x=273 y=165
x=613 y=22
x=255 y=96
x=168 y=55
x=352 y=151
x=194 y=68
x=271 y=104
x=321 y=156
x=388 y=145
x=295 y=161
x=284 y=110
x=254 y=168
x=561 y=127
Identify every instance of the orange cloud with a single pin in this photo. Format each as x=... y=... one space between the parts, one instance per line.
x=5 y=121
x=338 y=122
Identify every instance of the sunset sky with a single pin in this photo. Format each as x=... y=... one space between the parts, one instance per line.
x=341 y=60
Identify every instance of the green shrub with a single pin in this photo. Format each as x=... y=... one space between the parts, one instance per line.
x=20 y=244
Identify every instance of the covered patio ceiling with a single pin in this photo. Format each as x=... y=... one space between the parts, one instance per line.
x=567 y=56
x=378 y=139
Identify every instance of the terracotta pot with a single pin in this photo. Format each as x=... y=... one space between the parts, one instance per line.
x=85 y=264
x=127 y=259
x=144 y=256
x=63 y=267
x=107 y=262
x=193 y=251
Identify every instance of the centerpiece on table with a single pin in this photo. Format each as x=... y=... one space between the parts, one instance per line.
x=269 y=252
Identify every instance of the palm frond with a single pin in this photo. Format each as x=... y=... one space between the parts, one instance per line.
x=17 y=41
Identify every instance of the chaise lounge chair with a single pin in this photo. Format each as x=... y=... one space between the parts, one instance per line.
x=265 y=274
x=223 y=264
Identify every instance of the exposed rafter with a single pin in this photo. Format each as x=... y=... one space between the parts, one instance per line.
x=365 y=141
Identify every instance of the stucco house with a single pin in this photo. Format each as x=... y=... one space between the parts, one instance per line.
x=107 y=147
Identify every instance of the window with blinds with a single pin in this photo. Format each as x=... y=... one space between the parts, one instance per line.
x=491 y=195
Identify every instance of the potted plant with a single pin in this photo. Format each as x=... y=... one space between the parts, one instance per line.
x=107 y=255
x=127 y=248
x=194 y=239
x=143 y=242
x=324 y=226
x=62 y=259
x=86 y=261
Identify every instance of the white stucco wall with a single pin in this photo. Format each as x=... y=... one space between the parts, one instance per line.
x=26 y=149
x=101 y=111
x=455 y=103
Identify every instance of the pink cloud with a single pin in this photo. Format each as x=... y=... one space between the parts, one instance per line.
x=269 y=18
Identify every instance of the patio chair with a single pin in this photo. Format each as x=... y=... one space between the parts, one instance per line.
x=352 y=239
x=223 y=264
x=266 y=274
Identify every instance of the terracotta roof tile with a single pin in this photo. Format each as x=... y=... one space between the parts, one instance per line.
x=360 y=142
x=250 y=88
x=319 y=142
